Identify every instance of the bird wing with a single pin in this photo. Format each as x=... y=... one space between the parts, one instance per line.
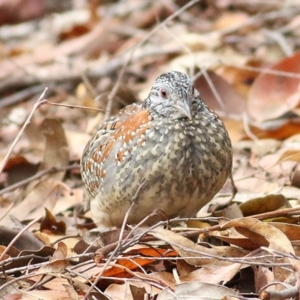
x=107 y=147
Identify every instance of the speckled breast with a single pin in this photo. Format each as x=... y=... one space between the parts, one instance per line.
x=177 y=166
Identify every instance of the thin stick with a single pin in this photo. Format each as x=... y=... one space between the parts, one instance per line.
x=21 y=95
x=247 y=128
x=37 y=176
x=262 y=70
x=72 y=106
x=39 y=102
x=17 y=236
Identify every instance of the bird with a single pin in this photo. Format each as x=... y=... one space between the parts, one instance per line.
x=169 y=152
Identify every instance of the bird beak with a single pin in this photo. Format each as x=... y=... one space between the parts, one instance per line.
x=184 y=108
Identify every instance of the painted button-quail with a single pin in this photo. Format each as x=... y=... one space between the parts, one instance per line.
x=169 y=152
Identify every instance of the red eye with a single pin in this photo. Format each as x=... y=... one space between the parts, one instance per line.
x=164 y=93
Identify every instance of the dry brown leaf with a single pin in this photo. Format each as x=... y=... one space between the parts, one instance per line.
x=262 y=277
x=46 y=295
x=235 y=71
x=283 y=92
x=276 y=129
x=214 y=275
x=118 y=292
x=183 y=268
x=57 y=263
x=16 y=11
x=44 y=238
x=40 y=194
x=71 y=291
x=184 y=63
x=293 y=155
x=13 y=296
x=136 y=263
x=51 y=225
x=55 y=267
x=27 y=241
x=26 y=256
x=56 y=152
x=234 y=238
x=292 y=231
x=18 y=168
x=196 y=254
x=68 y=200
x=137 y=292
x=76 y=141
x=60 y=252
x=43 y=194
x=235 y=129
x=232 y=102
x=264 y=204
x=261 y=233
x=230 y=19
x=160 y=279
x=273 y=239
x=197 y=290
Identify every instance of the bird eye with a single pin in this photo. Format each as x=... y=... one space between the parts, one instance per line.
x=163 y=93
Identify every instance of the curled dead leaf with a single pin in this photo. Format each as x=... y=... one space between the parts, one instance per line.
x=277 y=92
x=196 y=254
x=264 y=204
x=50 y=225
x=261 y=233
x=293 y=155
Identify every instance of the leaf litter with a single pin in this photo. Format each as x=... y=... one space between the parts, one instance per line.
x=244 y=60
